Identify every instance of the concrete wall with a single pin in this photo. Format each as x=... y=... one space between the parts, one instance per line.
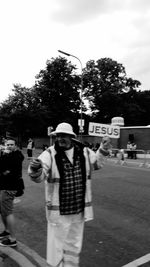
x=39 y=142
x=141 y=138
x=95 y=139
x=86 y=138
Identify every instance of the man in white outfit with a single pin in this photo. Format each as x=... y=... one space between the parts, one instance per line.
x=66 y=169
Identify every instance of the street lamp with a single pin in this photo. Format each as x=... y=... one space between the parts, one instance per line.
x=81 y=92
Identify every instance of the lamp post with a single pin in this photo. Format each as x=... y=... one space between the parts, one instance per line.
x=81 y=92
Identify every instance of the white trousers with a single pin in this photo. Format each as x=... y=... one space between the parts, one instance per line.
x=64 y=241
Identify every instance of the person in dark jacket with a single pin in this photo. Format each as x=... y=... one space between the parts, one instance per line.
x=11 y=183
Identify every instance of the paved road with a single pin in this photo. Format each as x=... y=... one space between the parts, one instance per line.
x=120 y=232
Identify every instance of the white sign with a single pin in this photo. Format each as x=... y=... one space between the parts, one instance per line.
x=81 y=129
x=117 y=121
x=101 y=130
x=80 y=122
x=81 y=125
x=49 y=130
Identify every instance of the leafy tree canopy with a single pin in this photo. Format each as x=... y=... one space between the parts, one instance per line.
x=106 y=84
x=55 y=97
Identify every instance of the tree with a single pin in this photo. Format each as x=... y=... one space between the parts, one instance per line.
x=18 y=112
x=135 y=105
x=54 y=98
x=105 y=85
x=57 y=87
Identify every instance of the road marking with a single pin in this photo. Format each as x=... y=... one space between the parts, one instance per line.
x=139 y=261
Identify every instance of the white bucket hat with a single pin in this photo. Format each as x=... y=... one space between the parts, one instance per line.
x=64 y=128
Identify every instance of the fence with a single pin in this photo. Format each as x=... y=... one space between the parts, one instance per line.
x=146 y=160
x=124 y=157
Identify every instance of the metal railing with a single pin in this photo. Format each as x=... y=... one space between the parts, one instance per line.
x=146 y=160
x=124 y=157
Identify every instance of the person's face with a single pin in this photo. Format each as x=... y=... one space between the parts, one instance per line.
x=10 y=145
x=64 y=140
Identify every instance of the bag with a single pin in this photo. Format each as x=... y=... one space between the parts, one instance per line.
x=21 y=188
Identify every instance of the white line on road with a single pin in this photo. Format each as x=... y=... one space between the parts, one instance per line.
x=139 y=261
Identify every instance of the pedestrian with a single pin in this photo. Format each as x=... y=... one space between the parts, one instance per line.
x=66 y=168
x=134 y=148
x=30 y=147
x=2 y=146
x=129 y=150
x=11 y=185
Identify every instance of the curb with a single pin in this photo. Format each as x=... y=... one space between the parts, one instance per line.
x=21 y=256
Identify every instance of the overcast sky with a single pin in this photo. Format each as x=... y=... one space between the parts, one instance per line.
x=33 y=30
